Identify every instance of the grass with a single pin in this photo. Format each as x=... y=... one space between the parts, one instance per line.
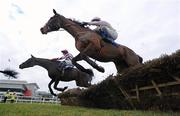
x=27 y=109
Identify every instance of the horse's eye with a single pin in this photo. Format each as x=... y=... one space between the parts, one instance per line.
x=50 y=26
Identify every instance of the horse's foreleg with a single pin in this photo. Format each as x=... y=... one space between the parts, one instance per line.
x=82 y=56
x=93 y=64
x=49 y=85
x=78 y=58
x=59 y=89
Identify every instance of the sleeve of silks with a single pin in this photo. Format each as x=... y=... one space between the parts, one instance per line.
x=97 y=23
x=54 y=59
x=63 y=57
x=84 y=23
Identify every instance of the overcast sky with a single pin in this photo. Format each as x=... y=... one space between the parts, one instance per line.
x=149 y=27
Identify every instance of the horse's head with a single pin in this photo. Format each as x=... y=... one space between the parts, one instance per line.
x=28 y=63
x=53 y=24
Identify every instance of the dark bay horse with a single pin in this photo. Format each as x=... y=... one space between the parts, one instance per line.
x=82 y=79
x=89 y=43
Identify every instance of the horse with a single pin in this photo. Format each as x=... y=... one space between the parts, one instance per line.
x=10 y=73
x=82 y=79
x=90 y=44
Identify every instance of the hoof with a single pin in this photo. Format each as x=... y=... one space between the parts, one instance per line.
x=65 y=88
x=101 y=69
x=89 y=71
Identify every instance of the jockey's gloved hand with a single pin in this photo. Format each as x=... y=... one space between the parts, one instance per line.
x=84 y=23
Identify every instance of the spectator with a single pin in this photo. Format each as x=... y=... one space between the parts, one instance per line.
x=6 y=96
x=13 y=97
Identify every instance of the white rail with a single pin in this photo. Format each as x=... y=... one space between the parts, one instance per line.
x=29 y=99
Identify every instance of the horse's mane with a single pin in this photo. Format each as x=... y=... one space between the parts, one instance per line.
x=82 y=24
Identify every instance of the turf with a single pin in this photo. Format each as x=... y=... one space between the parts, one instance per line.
x=25 y=109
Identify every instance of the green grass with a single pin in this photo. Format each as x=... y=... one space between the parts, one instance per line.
x=27 y=109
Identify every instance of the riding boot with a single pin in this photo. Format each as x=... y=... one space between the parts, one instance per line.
x=62 y=72
x=61 y=68
x=63 y=65
x=111 y=41
x=107 y=38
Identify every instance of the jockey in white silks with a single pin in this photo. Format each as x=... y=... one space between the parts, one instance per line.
x=67 y=57
x=104 y=28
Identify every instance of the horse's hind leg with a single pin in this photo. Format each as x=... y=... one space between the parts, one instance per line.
x=132 y=59
x=59 y=89
x=49 y=86
x=82 y=83
x=84 y=80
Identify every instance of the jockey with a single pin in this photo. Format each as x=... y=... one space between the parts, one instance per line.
x=104 y=29
x=6 y=96
x=67 y=57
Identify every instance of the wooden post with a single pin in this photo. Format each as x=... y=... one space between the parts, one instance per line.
x=125 y=94
x=157 y=88
x=137 y=93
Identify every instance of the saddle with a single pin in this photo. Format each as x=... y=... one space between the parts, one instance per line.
x=62 y=66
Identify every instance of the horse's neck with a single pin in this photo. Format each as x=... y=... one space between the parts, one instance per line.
x=45 y=63
x=71 y=27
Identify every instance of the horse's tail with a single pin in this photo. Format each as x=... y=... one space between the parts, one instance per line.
x=140 y=59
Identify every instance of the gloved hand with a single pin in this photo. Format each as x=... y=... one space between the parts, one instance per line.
x=84 y=24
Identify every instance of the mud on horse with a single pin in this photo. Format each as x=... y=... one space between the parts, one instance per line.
x=90 y=44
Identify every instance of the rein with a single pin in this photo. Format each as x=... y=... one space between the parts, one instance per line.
x=78 y=33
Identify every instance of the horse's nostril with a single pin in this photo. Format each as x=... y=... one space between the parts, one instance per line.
x=43 y=31
x=20 y=66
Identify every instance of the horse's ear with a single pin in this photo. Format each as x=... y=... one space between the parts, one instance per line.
x=54 y=11
x=32 y=56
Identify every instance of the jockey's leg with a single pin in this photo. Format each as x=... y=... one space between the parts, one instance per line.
x=68 y=64
x=61 y=67
x=107 y=35
x=104 y=32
